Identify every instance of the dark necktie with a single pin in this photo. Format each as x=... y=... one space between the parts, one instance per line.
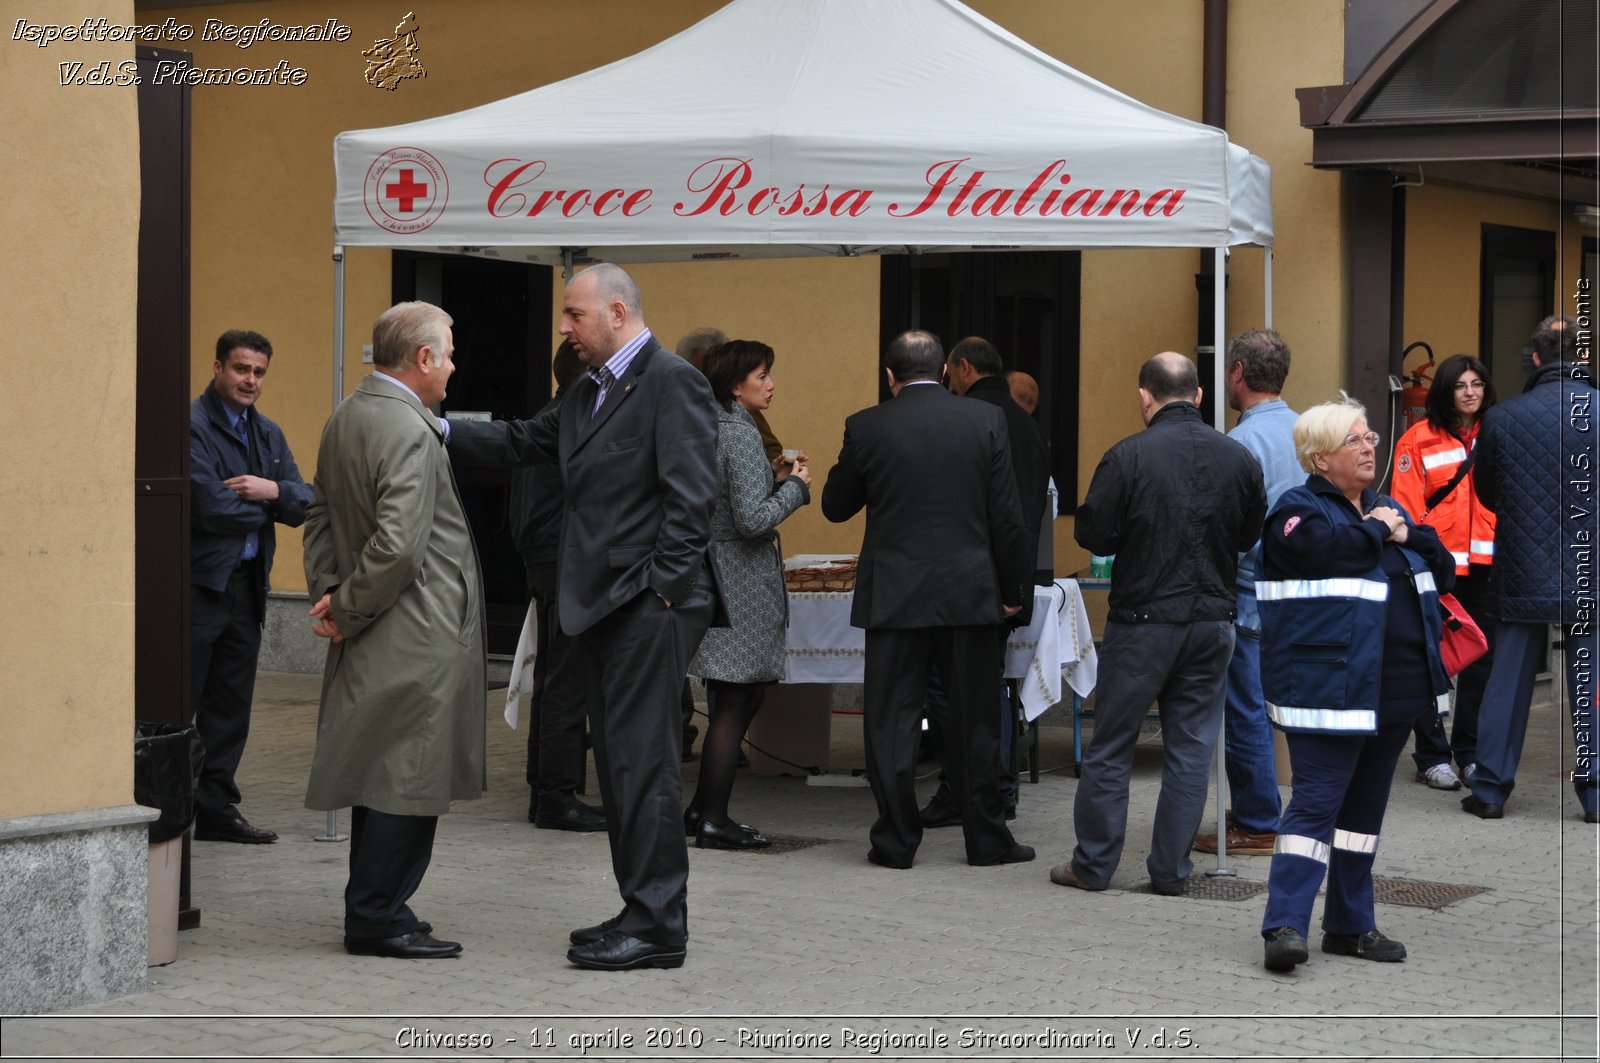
x=603 y=379
x=252 y=541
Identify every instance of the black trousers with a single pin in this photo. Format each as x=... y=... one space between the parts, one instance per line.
x=633 y=663
x=389 y=854
x=224 y=642
x=558 y=706
x=896 y=688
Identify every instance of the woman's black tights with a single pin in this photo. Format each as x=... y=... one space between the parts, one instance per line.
x=731 y=707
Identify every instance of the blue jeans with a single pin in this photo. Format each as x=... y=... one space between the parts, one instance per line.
x=1252 y=764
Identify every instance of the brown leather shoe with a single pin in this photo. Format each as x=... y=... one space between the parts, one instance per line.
x=1240 y=842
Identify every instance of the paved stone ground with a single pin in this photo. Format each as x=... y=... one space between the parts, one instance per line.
x=816 y=954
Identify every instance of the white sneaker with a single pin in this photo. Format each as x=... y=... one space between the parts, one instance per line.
x=1468 y=772
x=1440 y=777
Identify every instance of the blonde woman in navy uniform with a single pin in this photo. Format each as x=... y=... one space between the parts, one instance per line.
x=1350 y=658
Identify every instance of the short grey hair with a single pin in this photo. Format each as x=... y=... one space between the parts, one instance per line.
x=612 y=284
x=1322 y=429
x=403 y=328
x=700 y=341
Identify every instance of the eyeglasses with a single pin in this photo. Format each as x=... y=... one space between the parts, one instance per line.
x=1471 y=385
x=1371 y=439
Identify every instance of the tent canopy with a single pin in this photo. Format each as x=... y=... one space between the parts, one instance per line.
x=793 y=127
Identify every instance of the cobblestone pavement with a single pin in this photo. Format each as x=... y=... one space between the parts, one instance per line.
x=813 y=953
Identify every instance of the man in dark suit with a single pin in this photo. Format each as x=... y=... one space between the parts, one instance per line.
x=556 y=755
x=975 y=370
x=944 y=560
x=636 y=442
x=242 y=481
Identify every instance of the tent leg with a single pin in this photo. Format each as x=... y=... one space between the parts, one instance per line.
x=1266 y=288
x=566 y=264
x=338 y=329
x=1219 y=404
x=1219 y=303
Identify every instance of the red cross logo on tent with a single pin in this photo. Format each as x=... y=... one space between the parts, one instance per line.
x=406 y=190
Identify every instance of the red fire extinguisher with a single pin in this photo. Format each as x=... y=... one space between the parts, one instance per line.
x=1414 y=399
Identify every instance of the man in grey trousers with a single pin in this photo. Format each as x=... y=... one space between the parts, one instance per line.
x=1177 y=503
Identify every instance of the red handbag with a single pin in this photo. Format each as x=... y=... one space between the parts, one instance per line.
x=1463 y=641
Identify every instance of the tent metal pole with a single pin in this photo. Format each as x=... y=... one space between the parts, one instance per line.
x=1266 y=288
x=1219 y=303
x=332 y=832
x=338 y=325
x=566 y=264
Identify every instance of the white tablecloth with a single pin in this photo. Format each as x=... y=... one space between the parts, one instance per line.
x=824 y=648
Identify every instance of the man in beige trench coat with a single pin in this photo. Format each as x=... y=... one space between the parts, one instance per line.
x=391 y=566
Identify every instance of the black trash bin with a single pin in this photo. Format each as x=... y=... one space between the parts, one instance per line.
x=166 y=765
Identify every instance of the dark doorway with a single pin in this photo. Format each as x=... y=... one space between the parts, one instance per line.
x=161 y=437
x=502 y=324
x=1024 y=302
x=1517 y=291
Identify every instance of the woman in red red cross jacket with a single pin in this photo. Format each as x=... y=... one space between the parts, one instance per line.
x=1426 y=462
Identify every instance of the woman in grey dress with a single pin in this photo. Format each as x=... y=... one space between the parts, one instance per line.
x=740 y=661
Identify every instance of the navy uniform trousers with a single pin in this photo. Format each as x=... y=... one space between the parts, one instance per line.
x=1331 y=827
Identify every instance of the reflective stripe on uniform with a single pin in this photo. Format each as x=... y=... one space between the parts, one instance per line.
x=1364 y=721
x=1300 y=845
x=1352 y=842
x=1481 y=546
x=1424 y=582
x=1282 y=590
x=1444 y=457
x=1461 y=559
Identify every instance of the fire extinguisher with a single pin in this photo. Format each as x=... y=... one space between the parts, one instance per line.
x=1414 y=399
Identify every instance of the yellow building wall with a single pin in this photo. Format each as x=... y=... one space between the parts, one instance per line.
x=263 y=187
x=1444 y=233
x=1136 y=303
x=71 y=217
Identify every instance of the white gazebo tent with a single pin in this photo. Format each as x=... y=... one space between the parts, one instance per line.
x=779 y=128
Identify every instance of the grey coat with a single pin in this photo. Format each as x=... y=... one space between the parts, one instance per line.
x=745 y=554
x=402 y=722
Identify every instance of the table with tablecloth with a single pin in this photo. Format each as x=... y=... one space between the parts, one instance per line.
x=1057 y=646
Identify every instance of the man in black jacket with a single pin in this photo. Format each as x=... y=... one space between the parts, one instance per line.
x=557 y=708
x=242 y=481
x=1177 y=503
x=943 y=561
x=975 y=371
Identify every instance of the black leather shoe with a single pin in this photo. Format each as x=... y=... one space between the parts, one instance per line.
x=237 y=829
x=588 y=935
x=1591 y=817
x=875 y=857
x=1481 y=808
x=1017 y=854
x=1285 y=949
x=570 y=814
x=733 y=836
x=941 y=810
x=1369 y=946
x=617 y=951
x=691 y=822
x=417 y=945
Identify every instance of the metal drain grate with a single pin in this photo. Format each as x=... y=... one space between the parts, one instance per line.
x=1419 y=894
x=1204 y=887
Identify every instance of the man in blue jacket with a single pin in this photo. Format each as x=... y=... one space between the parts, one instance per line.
x=1536 y=469
x=242 y=481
